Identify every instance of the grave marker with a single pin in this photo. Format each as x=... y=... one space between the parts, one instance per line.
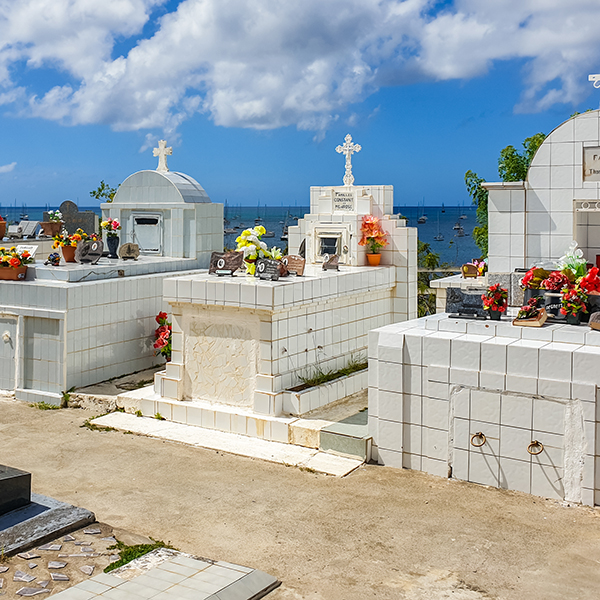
x=225 y=263
x=89 y=251
x=295 y=264
x=331 y=263
x=268 y=269
x=129 y=251
x=74 y=219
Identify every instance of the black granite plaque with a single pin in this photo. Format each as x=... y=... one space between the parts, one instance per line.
x=295 y=264
x=331 y=263
x=89 y=251
x=268 y=269
x=15 y=489
x=225 y=263
x=129 y=251
x=74 y=219
x=466 y=303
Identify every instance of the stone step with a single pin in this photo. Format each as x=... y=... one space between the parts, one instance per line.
x=348 y=437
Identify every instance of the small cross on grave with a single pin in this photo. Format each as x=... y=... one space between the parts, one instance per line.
x=162 y=152
x=348 y=148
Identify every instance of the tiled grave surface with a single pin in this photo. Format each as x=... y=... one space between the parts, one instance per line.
x=436 y=382
x=179 y=578
x=282 y=453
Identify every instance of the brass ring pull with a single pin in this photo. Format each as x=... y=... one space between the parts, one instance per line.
x=535 y=444
x=480 y=436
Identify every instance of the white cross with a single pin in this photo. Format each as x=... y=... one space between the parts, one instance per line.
x=595 y=79
x=162 y=152
x=348 y=149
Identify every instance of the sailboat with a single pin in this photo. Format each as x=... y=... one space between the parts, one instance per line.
x=423 y=218
x=440 y=236
x=443 y=208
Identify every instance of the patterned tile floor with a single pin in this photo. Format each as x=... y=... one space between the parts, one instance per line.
x=180 y=578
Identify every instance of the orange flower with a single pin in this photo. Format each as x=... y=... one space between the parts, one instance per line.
x=14 y=262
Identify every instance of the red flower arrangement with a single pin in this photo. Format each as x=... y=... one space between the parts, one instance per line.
x=495 y=298
x=372 y=234
x=533 y=278
x=555 y=282
x=162 y=335
x=573 y=301
x=531 y=309
x=590 y=283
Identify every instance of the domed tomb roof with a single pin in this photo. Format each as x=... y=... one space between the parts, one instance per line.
x=154 y=187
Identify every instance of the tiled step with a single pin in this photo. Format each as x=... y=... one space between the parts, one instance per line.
x=348 y=437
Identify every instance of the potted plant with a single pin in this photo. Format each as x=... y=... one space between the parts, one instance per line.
x=111 y=226
x=532 y=314
x=573 y=304
x=552 y=286
x=495 y=301
x=532 y=281
x=249 y=242
x=67 y=243
x=13 y=263
x=574 y=261
x=53 y=225
x=163 y=335
x=374 y=237
x=590 y=284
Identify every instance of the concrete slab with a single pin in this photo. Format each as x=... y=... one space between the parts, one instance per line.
x=286 y=454
x=41 y=521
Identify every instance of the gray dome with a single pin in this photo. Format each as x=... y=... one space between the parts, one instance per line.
x=154 y=187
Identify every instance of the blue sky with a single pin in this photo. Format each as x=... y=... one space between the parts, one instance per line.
x=254 y=95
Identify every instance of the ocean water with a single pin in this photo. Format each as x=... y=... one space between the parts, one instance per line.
x=453 y=249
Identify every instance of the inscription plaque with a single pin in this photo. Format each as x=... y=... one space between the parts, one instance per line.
x=591 y=164
x=225 y=263
x=89 y=251
x=343 y=201
x=331 y=263
x=295 y=264
x=268 y=269
x=129 y=251
x=465 y=303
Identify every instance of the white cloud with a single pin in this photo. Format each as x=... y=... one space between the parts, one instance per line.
x=8 y=168
x=265 y=64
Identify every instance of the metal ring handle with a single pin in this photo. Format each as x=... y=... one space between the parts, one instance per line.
x=535 y=444
x=480 y=436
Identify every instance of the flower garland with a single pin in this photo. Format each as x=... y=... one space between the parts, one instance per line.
x=163 y=335
x=14 y=258
x=373 y=235
x=249 y=242
x=495 y=298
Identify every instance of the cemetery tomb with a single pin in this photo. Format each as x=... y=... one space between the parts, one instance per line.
x=81 y=323
x=242 y=344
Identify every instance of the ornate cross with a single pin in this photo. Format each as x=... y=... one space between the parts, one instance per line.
x=348 y=149
x=162 y=152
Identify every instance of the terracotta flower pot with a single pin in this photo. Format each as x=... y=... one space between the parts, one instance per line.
x=373 y=259
x=12 y=274
x=51 y=228
x=68 y=253
x=2 y=229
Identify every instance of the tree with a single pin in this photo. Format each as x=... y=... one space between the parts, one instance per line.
x=429 y=261
x=512 y=166
x=104 y=191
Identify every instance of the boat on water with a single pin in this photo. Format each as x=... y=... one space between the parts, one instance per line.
x=230 y=230
x=443 y=208
x=460 y=232
x=268 y=234
x=440 y=236
x=463 y=216
x=457 y=225
x=422 y=219
x=284 y=234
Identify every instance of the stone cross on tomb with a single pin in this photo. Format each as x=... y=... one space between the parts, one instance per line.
x=162 y=152
x=348 y=148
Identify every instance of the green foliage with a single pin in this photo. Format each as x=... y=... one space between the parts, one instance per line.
x=513 y=165
x=129 y=553
x=104 y=192
x=44 y=406
x=66 y=396
x=93 y=427
x=319 y=376
x=138 y=413
x=427 y=259
x=159 y=417
x=480 y=199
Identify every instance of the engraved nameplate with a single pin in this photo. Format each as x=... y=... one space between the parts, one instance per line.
x=331 y=263
x=225 y=263
x=268 y=269
x=295 y=264
x=129 y=251
x=343 y=202
x=89 y=251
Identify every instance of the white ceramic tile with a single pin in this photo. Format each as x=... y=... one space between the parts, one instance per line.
x=548 y=415
x=483 y=469
x=485 y=406
x=390 y=376
x=492 y=381
x=435 y=443
x=516 y=411
x=546 y=481
x=460 y=399
x=390 y=405
x=523 y=385
x=389 y=435
x=515 y=475
x=435 y=413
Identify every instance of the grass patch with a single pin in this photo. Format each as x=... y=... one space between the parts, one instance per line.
x=93 y=427
x=135 y=385
x=319 y=377
x=45 y=406
x=129 y=553
x=66 y=396
x=159 y=417
x=138 y=413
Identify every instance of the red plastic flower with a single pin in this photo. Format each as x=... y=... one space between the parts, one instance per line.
x=161 y=316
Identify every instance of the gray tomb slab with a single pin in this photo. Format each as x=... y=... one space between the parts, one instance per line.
x=59 y=577
x=28 y=592
x=30 y=228
x=74 y=219
x=23 y=577
x=89 y=251
x=41 y=521
x=56 y=564
x=15 y=489
x=465 y=302
x=267 y=269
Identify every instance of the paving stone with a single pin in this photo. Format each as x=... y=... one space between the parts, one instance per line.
x=87 y=569
x=59 y=577
x=3 y=569
x=1 y=582
x=87 y=549
x=110 y=539
x=20 y=576
x=56 y=564
x=28 y=555
x=52 y=547
x=83 y=543
x=92 y=531
x=32 y=565
x=68 y=538
x=44 y=583
x=27 y=591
